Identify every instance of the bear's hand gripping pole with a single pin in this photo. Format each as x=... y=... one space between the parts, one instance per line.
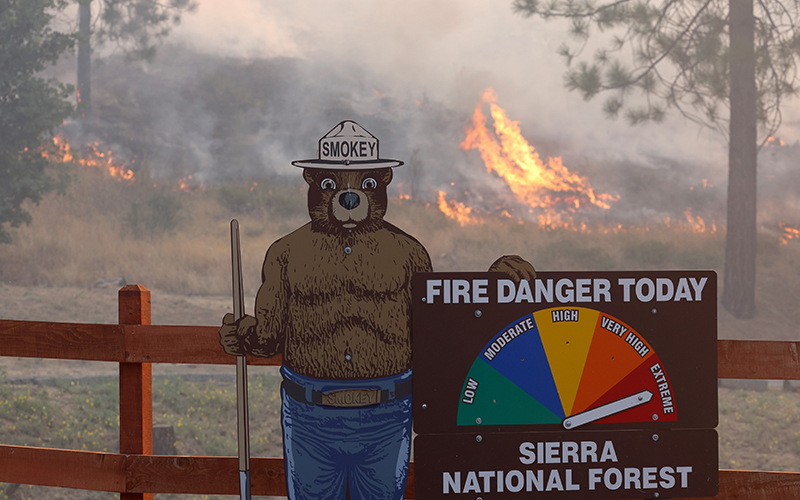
x=242 y=412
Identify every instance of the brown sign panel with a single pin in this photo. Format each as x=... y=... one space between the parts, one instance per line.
x=567 y=465
x=571 y=351
x=576 y=385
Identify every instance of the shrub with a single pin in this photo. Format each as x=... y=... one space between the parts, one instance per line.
x=160 y=213
x=282 y=199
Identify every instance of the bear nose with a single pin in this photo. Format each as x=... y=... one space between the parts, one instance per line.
x=349 y=200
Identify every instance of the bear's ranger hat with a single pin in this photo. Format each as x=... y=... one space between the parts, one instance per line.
x=348 y=146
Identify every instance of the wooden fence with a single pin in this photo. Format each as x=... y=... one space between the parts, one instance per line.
x=136 y=473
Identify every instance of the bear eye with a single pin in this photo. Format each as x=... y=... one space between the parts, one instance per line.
x=369 y=183
x=328 y=184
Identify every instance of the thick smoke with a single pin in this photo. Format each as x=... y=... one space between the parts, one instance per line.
x=246 y=86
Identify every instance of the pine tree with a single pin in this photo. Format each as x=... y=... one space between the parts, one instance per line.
x=134 y=26
x=698 y=57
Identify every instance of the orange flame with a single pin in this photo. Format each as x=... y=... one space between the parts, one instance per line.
x=457 y=211
x=774 y=142
x=188 y=185
x=788 y=233
x=98 y=158
x=516 y=161
x=694 y=223
x=61 y=153
x=403 y=196
x=697 y=224
x=92 y=157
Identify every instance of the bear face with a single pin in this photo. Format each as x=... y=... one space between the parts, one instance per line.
x=347 y=201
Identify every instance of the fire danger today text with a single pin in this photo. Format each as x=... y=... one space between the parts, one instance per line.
x=565 y=290
x=538 y=472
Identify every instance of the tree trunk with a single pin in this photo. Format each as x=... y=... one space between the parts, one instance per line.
x=739 y=284
x=85 y=59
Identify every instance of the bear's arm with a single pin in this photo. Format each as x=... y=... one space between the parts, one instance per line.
x=271 y=303
x=420 y=260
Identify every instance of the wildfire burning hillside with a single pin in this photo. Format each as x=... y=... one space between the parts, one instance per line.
x=457 y=211
x=94 y=154
x=548 y=186
x=546 y=189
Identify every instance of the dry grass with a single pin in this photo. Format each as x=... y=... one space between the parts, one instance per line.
x=79 y=415
x=177 y=244
x=759 y=430
x=88 y=234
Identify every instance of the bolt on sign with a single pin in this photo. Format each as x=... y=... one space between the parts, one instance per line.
x=577 y=385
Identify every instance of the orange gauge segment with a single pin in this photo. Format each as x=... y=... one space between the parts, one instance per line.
x=615 y=352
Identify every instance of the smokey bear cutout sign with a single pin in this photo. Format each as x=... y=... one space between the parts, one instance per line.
x=335 y=302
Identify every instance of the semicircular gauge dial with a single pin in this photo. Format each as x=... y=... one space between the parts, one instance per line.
x=570 y=366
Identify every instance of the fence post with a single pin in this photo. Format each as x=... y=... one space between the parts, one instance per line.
x=135 y=386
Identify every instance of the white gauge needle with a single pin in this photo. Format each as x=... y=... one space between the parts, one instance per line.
x=604 y=411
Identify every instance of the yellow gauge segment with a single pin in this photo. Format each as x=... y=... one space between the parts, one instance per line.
x=566 y=335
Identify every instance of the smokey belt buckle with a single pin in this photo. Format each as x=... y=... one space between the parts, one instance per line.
x=351 y=397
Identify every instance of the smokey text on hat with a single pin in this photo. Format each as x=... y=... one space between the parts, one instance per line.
x=350 y=146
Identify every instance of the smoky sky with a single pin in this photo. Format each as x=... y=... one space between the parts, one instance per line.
x=449 y=51
x=243 y=87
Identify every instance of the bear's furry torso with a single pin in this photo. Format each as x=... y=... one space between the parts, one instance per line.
x=339 y=314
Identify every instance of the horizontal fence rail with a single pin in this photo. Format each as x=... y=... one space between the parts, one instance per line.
x=118 y=343
x=744 y=359
x=136 y=473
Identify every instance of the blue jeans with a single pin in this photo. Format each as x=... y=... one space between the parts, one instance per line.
x=330 y=450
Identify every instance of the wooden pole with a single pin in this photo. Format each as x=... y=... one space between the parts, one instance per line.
x=135 y=386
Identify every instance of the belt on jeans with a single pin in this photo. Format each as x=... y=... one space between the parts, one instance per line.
x=346 y=397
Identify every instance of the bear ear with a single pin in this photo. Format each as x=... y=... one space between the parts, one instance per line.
x=386 y=175
x=308 y=176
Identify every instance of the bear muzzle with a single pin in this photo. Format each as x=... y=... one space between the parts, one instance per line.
x=350 y=207
x=349 y=200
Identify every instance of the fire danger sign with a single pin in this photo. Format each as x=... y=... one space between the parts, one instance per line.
x=576 y=385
